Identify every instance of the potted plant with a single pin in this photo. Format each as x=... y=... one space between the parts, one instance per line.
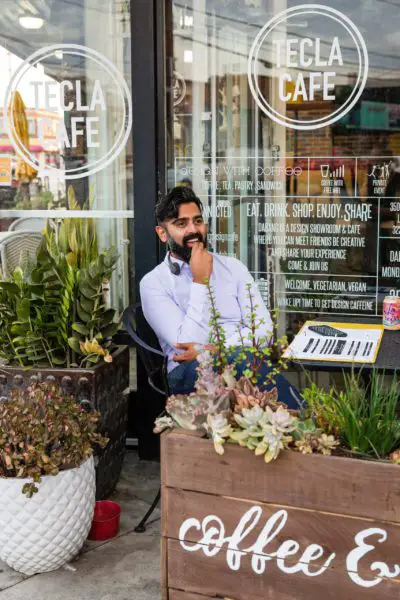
x=259 y=501
x=56 y=325
x=47 y=477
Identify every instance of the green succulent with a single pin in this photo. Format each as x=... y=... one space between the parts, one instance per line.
x=53 y=310
x=93 y=319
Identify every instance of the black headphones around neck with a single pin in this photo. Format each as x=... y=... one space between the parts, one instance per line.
x=174 y=267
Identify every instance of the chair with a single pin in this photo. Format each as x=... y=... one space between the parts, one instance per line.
x=15 y=247
x=155 y=364
x=28 y=223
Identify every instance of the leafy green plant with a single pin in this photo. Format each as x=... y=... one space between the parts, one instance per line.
x=368 y=421
x=217 y=334
x=258 y=349
x=54 y=311
x=41 y=201
x=255 y=351
x=57 y=202
x=93 y=320
x=237 y=411
x=365 y=417
x=321 y=406
x=44 y=431
x=31 y=316
x=77 y=237
x=261 y=349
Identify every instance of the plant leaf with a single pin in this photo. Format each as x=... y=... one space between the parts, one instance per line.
x=74 y=344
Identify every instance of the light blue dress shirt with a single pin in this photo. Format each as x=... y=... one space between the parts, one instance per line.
x=178 y=309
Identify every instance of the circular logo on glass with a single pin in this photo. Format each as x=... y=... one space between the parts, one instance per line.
x=79 y=106
x=308 y=66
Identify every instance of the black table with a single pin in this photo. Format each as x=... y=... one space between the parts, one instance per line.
x=388 y=358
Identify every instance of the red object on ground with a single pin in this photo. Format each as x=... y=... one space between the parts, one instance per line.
x=105 y=524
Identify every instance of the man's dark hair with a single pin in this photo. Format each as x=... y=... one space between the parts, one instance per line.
x=167 y=208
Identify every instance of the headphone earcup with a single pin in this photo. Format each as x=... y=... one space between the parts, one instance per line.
x=173 y=266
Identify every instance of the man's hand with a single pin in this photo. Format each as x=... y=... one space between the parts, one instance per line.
x=190 y=353
x=201 y=263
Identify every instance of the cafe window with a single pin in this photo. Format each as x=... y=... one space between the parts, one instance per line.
x=285 y=120
x=72 y=88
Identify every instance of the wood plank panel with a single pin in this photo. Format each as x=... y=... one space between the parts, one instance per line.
x=164 y=568
x=333 y=484
x=180 y=595
x=334 y=533
x=210 y=576
x=164 y=549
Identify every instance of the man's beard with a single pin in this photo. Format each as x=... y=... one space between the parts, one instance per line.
x=184 y=251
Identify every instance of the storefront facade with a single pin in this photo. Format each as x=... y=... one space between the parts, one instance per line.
x=283 y=116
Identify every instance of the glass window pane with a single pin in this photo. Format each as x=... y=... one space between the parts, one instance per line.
x=66 y=112
x=284 y=119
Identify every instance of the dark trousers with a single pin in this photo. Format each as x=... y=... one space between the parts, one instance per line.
x=183 y=378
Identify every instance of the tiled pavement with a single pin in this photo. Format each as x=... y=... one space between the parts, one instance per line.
x=124 y=568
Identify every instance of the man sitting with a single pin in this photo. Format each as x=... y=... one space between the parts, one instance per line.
x=175 y=298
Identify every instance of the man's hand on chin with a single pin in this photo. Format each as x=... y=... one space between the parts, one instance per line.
x=201 y=263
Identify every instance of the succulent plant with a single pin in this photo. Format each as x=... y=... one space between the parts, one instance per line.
x=280 y=420
x=93 y=324
x=246 y=395
x=395 y=457
x=162 y=423
x=310 y=438
x=264 y=431
x=219 y=429
x=191 y=411
x=238 y=411
x=212 y=396
x=271 y=444
x=326 y=444
x=44 y=431
x=52 y=309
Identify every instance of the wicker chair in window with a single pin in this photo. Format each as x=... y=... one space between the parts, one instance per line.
x=17 y=246
x=28 y=223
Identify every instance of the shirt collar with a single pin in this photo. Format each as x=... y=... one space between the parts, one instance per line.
x=182 y=264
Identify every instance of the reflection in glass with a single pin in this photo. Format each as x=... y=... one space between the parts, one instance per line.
x=311 y=210
x=73 y=90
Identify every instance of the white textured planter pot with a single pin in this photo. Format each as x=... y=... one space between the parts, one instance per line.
x=44 y=532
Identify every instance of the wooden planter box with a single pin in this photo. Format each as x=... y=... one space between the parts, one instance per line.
x=104 y=386
x=329 y=519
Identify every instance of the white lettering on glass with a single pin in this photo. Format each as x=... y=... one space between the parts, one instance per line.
x=64 y=85
x=97 y=96
x=51 y=95
x=91 y=131
x=79 y=106
x=307 y=69
x=55 y=98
